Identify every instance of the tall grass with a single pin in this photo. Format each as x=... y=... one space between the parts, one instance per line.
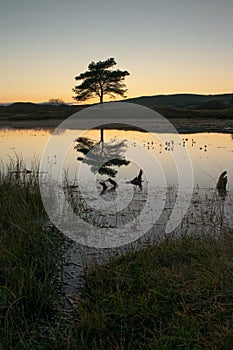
x=177 y=294
x=29 y=258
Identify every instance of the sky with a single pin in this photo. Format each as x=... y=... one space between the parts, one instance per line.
x=168 y=46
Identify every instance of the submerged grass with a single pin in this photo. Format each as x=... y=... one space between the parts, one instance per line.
x=174 y=295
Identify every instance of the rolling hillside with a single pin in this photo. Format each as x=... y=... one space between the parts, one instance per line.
x=186 y=101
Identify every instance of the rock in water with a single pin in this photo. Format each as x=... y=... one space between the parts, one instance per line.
x=221 y=185
x=138 y=179
x=222 y=181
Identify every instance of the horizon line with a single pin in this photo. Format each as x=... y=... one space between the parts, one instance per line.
x=127 y=98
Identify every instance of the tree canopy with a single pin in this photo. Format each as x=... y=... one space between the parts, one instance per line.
x=99 y=80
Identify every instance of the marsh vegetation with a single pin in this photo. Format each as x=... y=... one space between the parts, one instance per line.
x=174 y=294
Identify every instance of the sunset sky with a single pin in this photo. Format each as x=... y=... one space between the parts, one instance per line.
x=169 y=46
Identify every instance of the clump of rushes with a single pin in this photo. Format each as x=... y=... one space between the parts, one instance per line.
x=176 y=295
x=29 y=259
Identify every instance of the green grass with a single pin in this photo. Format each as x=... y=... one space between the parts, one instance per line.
x=175 y=295
x=29 y=262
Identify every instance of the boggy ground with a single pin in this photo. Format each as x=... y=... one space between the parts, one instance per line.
x=176 y=294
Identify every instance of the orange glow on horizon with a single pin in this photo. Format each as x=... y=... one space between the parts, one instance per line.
x=67 y=98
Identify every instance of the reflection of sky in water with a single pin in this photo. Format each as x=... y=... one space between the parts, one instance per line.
x=211 y=153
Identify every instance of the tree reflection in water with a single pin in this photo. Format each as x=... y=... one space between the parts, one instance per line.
x=102 y=157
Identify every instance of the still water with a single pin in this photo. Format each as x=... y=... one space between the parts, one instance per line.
x=210 y=153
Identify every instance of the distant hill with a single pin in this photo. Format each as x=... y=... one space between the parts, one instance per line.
x=187 y=101
x=24 y=107
x=188 y=107
x=193 y=101
x=170 y=106
x=27 y=110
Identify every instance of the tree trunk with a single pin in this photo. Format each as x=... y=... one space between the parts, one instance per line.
x=101 y=95
x=101 y=130
x=102 y=135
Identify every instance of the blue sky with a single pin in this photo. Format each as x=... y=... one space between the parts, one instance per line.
x=167 y=46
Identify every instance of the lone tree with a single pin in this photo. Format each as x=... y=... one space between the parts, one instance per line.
x=100 y=80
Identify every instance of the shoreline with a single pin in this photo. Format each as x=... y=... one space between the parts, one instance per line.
x=182 y=125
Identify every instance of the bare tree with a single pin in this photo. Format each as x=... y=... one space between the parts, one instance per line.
x=56 y=102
